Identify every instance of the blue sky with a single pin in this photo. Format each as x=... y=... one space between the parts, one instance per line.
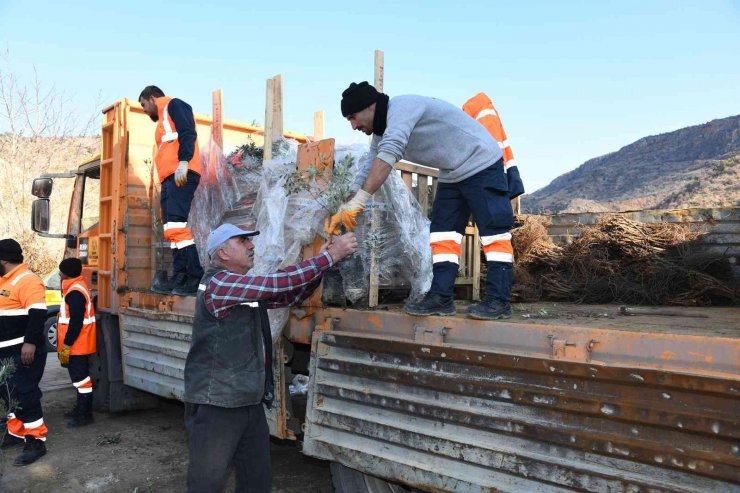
x=572 y=80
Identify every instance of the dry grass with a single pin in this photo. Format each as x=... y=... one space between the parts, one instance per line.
x=619 y=260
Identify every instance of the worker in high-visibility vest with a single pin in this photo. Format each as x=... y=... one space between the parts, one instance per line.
x=481 y=108
x=471 y=179
x=178 y=167
x=76 y=338
x=22 y=318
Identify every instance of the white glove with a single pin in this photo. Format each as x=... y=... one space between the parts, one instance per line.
x=357 y=202
x=181 y=174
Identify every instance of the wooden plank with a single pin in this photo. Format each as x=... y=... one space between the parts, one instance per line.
x=374 y=281
x=406 y=177
x=318 y=125
x=423 y=193
x=217 y=128
x=269 y=115
x=416 y=168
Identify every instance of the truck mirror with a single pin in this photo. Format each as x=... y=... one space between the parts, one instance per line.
x=40 y=213
x=41 y=188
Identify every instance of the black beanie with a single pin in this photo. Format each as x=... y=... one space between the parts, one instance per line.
x=11 y=251
x=357 y=97
x=71 y=267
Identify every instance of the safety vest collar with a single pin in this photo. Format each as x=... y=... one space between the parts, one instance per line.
x=170 y=132
x=15 y=270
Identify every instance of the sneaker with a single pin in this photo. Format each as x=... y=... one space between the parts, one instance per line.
x=490 y=310
x=10 y=440
x=189 y=287
x=33 y=450
x=432 y=304
x=161 y=284
x=80 y=420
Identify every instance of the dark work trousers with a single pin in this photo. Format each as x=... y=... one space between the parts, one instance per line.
x=219 y=437
x=175 y=202
x=79 y=370
x=486 y=196
x=24 y=386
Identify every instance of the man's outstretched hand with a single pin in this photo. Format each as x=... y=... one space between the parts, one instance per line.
x=347 y=215
x=340 y=247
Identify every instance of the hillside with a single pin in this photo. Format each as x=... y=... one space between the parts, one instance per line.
x=696 y=166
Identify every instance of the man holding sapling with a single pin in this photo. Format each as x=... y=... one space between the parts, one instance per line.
x=437 y=134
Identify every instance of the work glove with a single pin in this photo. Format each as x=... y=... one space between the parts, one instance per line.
x=347 y=215
x=181 y=174
x=63 y=356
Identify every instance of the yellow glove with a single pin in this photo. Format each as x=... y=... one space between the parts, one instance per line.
x=347 y=215
x=63 y=355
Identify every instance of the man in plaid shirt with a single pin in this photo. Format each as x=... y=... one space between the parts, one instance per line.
x=228 y=371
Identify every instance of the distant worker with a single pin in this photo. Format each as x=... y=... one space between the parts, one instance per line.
x=22 y=317
x=228 y=371
x=437 y=134
x=178 y=166
x=481 y=108
x=76 y=338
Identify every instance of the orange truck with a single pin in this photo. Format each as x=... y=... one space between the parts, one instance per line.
x=398 y=403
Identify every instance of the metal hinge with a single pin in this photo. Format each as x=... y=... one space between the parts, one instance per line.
x=577 y=351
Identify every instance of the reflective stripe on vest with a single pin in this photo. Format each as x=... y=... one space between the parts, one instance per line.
x=169 y=134
x=86 y=341
x=481 y=108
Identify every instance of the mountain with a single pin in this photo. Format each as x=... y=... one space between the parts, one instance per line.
x=696 y=166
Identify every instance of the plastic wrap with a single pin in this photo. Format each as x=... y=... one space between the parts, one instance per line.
x=243 y=190
x=394 y=234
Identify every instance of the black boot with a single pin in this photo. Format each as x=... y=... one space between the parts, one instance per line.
x=84 y=414
x=189 y=287
x=490 y=310
x=10 y=440
x=432 y=304
x=72 y=412
x=33 y=450
x=161 y=283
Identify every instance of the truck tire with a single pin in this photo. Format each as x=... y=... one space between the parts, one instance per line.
x=50 y=334
x=346 y=480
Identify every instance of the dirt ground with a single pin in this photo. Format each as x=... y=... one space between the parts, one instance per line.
x=142 y=451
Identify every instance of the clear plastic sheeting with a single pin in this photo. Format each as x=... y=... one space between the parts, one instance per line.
x=393 y=233
x=227 y=191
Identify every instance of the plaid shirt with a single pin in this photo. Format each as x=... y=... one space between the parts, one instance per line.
x=289 y=286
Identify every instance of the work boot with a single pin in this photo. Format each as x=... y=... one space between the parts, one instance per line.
x=84 y=414
x=161 y=284
x=72 y=412
x=188 y=287
x=80 y=420
x=490 y=310
x=432 y=304
x=33 y=450
x=10 y=440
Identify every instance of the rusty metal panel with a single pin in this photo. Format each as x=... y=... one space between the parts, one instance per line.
x=154 y=346
x=452 y=409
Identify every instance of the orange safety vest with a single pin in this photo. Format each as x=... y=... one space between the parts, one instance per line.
x=481 y=108
x=86 y=341
x=167 y=143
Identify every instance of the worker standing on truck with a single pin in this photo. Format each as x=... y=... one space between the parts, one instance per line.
x=178 y=166
x=22 y=317
x=437 y=134
x=77 y=338
x=228 y=371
